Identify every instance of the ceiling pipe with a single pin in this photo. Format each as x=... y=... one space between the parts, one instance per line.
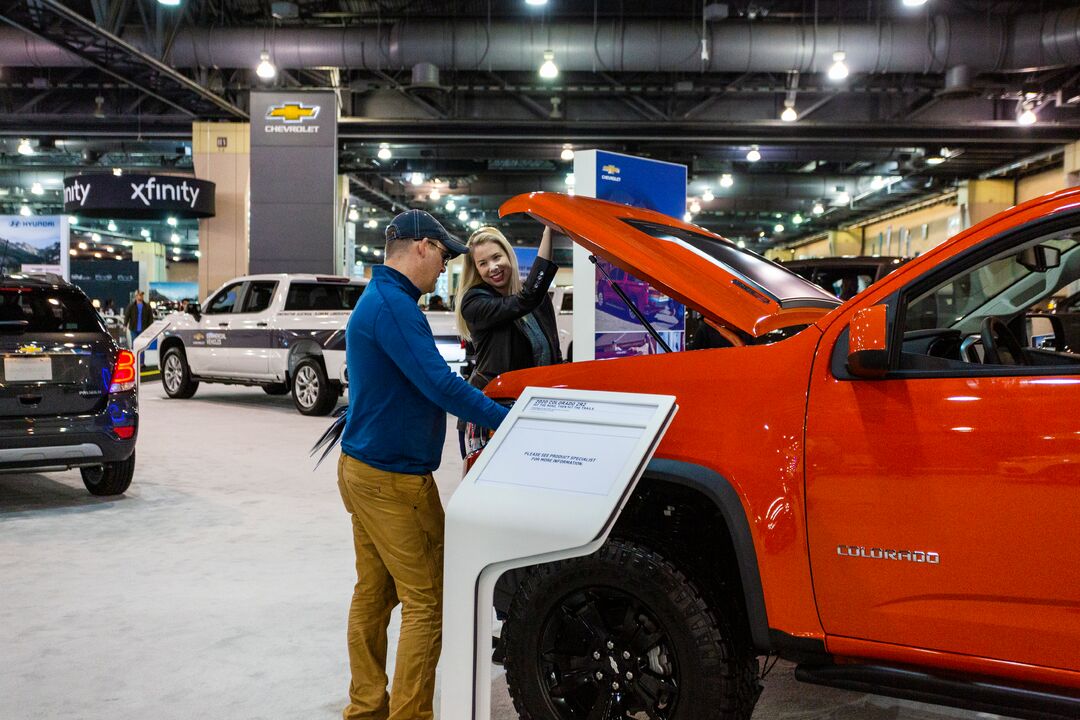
x=985 y=44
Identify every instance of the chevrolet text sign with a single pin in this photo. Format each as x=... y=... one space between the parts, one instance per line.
x=138 y=197
x=293 y=118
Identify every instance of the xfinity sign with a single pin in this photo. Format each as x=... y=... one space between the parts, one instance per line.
x=76 y=192
x=154 y=190
x=138 y=197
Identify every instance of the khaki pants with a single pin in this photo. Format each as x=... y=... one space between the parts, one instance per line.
x=398 y=535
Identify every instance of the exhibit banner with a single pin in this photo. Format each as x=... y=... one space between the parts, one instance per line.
x=137 y=196
x=296 y=218
x=112 y=283
x=39 y=243
x=548 y=486
x=612 y=329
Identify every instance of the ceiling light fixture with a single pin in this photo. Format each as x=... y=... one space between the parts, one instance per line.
x=198 y=253
x=144 y=232
x=117 y=171
x=451 y=206
x=687 y=217
x=95 y=237
x=789 y=114
x=536 y=3
x=72 y=220
x=549 y=70
x=109 y=249
x=25 y=148
x=463 y=215
x=384 y=151
x=416 y=178
x=914 y=3
x=25 y=211
x=37 y=188
x=265 y=69
x=843 y=198
x=570 y=180
x=877 y=183
x=474 y=224
x=169 y=3
x=112 y=226
x=695 y=207
x=778 y=228
x=171 y=221
x=434 y=195
x=754 y=155
x=818 y=208
x=708 y=196
x=797 y=219
x=726 y=180
x=83 y=246
x=567 y=153
x=354 y=215
x=1027 y=115
x=741 y=244
x=839 y=69
x=175 y=239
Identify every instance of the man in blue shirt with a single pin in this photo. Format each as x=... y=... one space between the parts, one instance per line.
x=400 y=391
x=137 y=317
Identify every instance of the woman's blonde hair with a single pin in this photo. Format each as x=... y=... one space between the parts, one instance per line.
x=470 y=275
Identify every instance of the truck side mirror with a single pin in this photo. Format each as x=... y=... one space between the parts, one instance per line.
x=1039 y=258
x=194 y=309
x=868 y=352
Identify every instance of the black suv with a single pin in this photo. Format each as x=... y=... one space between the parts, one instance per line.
x=67 y=391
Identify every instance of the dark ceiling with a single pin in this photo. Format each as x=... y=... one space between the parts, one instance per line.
x=117 y=83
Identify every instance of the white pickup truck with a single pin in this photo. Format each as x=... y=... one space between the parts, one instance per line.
x=284 y=333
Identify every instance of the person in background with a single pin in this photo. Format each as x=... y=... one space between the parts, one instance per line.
x=436 y=303
x=511 y=323
x=137 y=317
x=391 y=444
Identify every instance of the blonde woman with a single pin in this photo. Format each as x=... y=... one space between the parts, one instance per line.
x=511 y=324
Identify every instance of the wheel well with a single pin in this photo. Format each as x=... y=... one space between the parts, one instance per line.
x=302 y=351
x=169 y=343
x=687 y=527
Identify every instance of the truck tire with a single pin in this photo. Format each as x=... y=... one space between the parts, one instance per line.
x=112 y=478
x=176 y=375
x=276 y=389
x=312 y=391
x=623 y=633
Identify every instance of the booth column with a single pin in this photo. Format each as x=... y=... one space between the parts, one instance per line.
x=985 y=198
x=221 y=155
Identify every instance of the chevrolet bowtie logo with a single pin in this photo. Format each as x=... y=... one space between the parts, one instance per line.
x=610 y=169
x=292 y=112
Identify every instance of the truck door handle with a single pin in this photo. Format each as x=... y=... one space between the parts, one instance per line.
x=261 y=324
x=225 y=325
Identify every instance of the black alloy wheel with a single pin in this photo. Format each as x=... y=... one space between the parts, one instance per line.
x=622 y=634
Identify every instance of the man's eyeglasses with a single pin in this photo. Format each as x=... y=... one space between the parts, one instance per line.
x=447 y=256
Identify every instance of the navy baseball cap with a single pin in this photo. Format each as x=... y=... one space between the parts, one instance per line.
x=417 y=225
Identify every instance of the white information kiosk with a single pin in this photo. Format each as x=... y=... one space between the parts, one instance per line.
x=548 y=486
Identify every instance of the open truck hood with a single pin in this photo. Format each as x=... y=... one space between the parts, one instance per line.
x=729 y=285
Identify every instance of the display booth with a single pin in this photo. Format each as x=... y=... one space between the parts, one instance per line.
x=548 y=486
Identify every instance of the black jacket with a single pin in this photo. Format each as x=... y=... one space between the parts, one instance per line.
x=501 y=344
x=131 y=316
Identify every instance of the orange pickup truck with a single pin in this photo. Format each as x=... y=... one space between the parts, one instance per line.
x=885 y=491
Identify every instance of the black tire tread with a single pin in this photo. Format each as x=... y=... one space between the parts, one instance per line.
x=730 y=671
x=115 y=480
x=188 y=386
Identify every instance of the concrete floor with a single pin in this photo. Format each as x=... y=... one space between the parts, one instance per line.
x=218 y=586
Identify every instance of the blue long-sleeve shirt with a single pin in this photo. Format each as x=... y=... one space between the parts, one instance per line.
x=400 y=388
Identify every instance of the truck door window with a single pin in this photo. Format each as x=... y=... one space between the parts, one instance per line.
x=224 y=301
x=258 y=296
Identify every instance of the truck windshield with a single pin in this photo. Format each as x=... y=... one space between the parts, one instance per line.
x=322 y=296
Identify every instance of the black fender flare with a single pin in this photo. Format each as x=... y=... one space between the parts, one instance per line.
x=301 y=351
x=717 y=488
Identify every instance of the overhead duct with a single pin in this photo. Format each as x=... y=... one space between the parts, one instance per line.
x=984 y=44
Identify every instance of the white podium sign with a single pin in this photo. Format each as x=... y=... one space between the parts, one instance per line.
x=548 y=486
